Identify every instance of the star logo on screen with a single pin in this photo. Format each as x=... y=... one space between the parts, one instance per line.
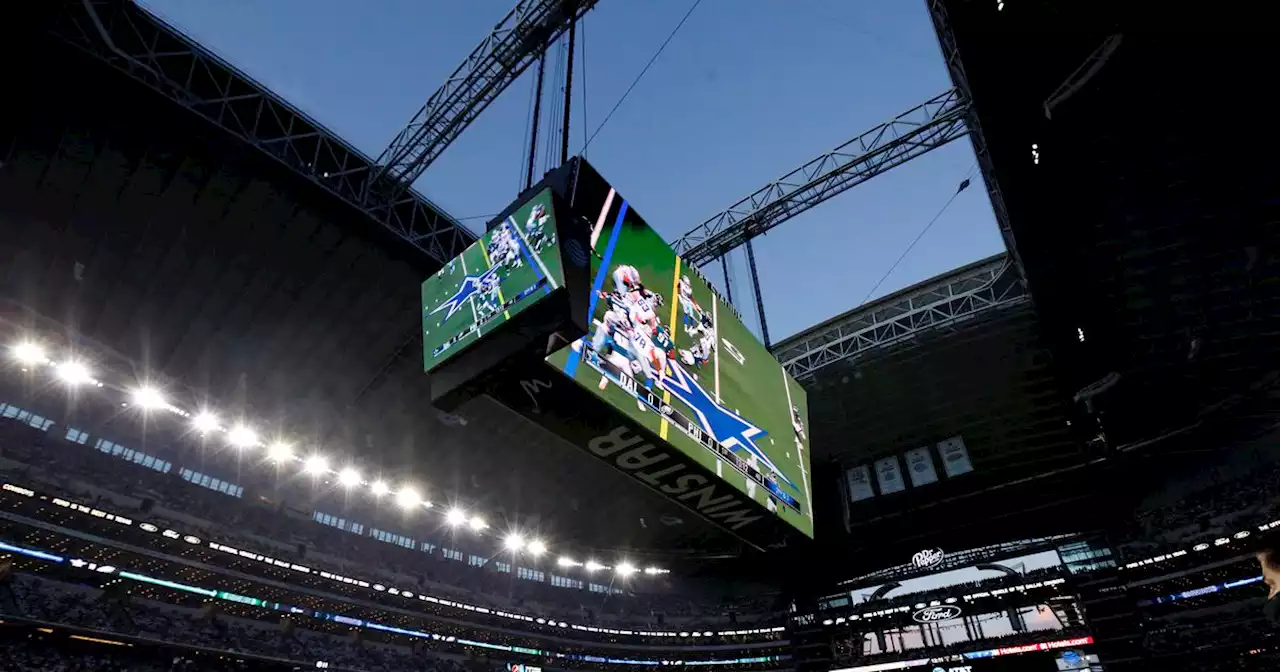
x=470 y=285
x=728 y=428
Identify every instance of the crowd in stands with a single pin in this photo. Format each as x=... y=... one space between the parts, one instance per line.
x=48 y=601
x=1204 y=506
x=1229 y=629
x=279 y=529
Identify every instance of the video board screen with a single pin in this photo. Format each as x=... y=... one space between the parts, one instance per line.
x=668 y=352
x=510 y=268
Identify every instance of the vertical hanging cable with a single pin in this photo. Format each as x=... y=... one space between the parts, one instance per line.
x=553 y=111
x=537 y=115
x=584 y=81
x=568 y=95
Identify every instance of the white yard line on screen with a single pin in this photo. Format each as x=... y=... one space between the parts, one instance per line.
x=536 y=256
x=604 y=216
x=502 y=301
x=471 y=300
x=715 y=350
x=804 y=476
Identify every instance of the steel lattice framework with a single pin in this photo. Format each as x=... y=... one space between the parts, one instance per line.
x=515 y=43
x=963 y=294
x=913 y=133
x=139 y=44
x=951 y=54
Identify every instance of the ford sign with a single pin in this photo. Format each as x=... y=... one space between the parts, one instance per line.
x=945 y=612
x=927 y=558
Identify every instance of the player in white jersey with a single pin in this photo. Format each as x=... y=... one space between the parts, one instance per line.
x=692 y=316
x=614 y=333
x=796 y=423
x=701 y=352
x=489 y=301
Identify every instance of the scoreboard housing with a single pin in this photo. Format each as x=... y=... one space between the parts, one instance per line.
x=634 y=358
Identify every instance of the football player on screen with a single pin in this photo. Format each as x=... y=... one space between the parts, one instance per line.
x=797 y=423
x=695 y=320
x=533 y=228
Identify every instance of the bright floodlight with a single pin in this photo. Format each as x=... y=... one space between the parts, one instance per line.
x=407 y=498
x=74 y=373
x=380 y=488
x=513 y=542
x=28 y=353
x=626 y=569
x=592 y=566
x=280 y=451
x=477 y=523
x=242 y=436
x=456 y=516
x=148 y=397
x=316 y=465
x=564 y=561
x=205 y=422
x=536 y=547
x=349 y=477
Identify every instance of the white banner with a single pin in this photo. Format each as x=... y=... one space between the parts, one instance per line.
x=955 y=457
x=859 y=481
x=890 y=475
x=920 y=467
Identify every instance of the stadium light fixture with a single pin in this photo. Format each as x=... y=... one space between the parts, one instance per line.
x=626 y=569
x=148 y=397
x=592 y=566
x=280 y=452
x=477 y=523
x=29 y=353
x=74 y=373
x=242 y=436
x=316 y=465
x=514 y=542
x=565 y=561
x=407 y=498
x=379 y=488
x=654 y=571
x=456 y=516
x=349 y=477
x=537 y=547
x=205 y=422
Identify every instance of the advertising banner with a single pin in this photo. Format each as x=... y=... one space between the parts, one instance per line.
x=889 y=474
x=955 y=457
x=920 y=467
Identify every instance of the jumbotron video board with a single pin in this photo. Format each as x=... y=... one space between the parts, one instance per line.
x=665 y=350
x=510 y=268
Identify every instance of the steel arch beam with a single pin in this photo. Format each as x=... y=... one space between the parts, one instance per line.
x=913 y=133
x=513 y=45
x=992 y=284
x=132 y=40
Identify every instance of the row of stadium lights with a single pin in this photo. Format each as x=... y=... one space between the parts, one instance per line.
x=148 y=398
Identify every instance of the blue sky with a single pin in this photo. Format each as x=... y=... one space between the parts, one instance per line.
x=747 y=91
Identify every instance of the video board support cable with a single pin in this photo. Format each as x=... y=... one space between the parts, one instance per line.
x=755 y=288
x=568 y=94
x=537 y=121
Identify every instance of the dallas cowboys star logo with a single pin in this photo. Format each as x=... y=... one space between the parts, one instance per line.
x=470 y=285
x=728 y=428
